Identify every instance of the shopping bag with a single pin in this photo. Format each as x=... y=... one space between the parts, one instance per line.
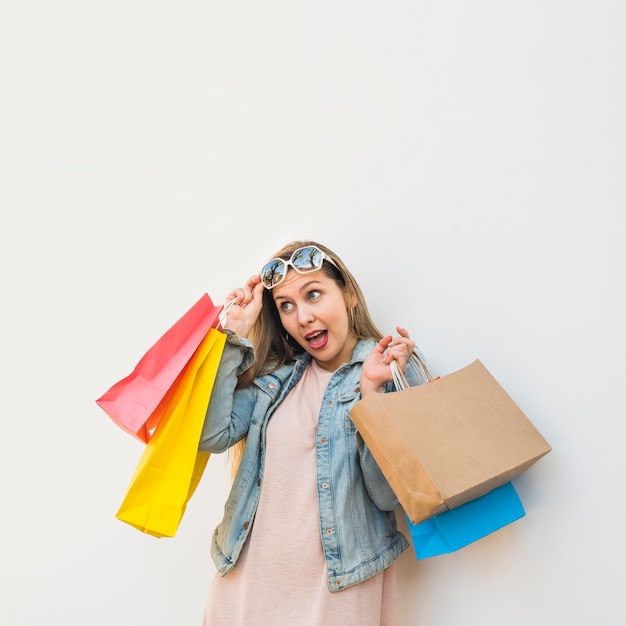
x=171 y=465
x=452 y=530
x=449 y=441
x=136 y=403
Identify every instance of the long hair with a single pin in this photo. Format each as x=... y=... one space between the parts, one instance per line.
x=272 y=346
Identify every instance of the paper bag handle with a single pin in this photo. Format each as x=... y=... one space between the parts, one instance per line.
x=417 y=363
x=224 y=314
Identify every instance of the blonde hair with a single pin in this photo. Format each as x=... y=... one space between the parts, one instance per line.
x=272 y=346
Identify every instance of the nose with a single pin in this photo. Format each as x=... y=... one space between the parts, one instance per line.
x=305 y=315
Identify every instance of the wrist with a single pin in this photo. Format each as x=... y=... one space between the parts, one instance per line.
x=369 y=386
x=240 y=329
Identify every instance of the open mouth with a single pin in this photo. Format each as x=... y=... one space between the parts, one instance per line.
x=317 y=340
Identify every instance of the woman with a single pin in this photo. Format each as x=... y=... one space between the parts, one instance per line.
x=309 y=531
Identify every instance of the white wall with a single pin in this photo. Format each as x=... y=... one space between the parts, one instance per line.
x=466 y=159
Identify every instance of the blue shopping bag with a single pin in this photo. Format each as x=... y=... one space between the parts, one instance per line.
x=457 y=528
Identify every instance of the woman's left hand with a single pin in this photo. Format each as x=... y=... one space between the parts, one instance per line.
x=376 y=369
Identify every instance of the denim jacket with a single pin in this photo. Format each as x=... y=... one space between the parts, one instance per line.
x=356 y=505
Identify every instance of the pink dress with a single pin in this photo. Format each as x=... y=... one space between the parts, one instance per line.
x=280 y=577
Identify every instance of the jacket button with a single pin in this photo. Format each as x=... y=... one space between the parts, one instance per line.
x=258 y=483
x=329 y=531
x=324 y=440
x=245 y=525
x=271 y=385
x=325 y=485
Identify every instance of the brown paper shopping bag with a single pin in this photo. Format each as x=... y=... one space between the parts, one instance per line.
x=447 y=442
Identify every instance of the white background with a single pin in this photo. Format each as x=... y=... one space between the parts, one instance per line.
x=465 y=159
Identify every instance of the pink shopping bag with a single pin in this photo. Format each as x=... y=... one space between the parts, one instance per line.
x=137 y=402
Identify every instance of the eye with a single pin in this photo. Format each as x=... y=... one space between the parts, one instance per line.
x=314 y=295
x=285 y=307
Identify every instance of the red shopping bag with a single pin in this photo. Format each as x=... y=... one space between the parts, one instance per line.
x=137 y=402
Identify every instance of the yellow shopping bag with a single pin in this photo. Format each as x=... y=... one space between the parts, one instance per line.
x=171 y=466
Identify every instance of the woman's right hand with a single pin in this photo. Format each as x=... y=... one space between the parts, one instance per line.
x=248 y=304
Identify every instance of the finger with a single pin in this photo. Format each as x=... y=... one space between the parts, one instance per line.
x=404 y=334
x=235 y=294
x=404 y=338
x=257 y=292
x=244 y=293
x=382 y=345
x=398 y=354
x=402 y=344
x=402 y=364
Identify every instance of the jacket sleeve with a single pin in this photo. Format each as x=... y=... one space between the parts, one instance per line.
x=376 y=484
x=228 y=413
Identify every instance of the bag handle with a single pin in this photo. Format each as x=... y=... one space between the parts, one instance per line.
x=417 y=363
x=224 y=312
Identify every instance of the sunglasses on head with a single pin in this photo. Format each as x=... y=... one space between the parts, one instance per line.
x=303 y=260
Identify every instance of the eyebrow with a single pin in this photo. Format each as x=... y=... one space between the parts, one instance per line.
x=304 y=287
